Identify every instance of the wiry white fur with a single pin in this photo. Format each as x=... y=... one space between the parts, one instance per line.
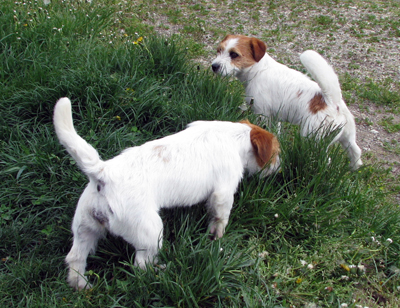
x=206 y=161
x=279 y=91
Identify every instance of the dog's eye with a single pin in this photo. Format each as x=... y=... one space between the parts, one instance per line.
x=233 y=55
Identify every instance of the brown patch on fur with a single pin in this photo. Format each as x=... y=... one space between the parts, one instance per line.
x=317 y=103
x=265 y=145
x=221 y=47
x=160 y=151
x=250 y=50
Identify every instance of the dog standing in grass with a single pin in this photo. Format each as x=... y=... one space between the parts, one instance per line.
x=289 y=95
x=206 y=161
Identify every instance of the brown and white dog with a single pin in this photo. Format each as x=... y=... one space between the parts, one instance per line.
x=206 y=161
x=278 y=91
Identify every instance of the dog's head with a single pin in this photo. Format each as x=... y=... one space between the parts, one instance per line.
x=266 y=150
x=236 y=53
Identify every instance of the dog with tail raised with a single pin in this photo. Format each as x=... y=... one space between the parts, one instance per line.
x=279 y=91
x=204 y=162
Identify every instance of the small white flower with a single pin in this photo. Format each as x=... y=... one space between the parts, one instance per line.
x=263 y=254
x=361 y=269
x=310 y=266
x=390 y=240
x=344 y=305
x=344 y=277
x=276 y=215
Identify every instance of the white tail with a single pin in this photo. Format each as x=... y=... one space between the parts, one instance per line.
x=83 y=153
x=323 y=74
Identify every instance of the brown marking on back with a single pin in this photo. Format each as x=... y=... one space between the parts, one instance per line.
x=317 y=103
x=265 y=145
x=160 y=151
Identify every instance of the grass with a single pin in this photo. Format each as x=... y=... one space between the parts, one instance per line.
x=313 y=234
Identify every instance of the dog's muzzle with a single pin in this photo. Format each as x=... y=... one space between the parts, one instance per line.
x=215 y=67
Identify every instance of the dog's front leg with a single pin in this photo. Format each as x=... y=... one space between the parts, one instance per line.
x=220 y=205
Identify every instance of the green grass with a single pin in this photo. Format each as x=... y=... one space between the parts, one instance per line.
x=313 y=233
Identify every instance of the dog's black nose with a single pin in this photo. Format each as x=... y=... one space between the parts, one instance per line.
x=215 y=67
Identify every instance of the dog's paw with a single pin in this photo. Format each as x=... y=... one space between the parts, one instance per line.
x=217 y=229
x=160 y=267
x=76 y=281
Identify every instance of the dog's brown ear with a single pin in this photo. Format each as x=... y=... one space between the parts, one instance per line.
x=265 y=145
x=258 y=48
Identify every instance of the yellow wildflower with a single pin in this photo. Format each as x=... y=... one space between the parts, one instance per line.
x=345 y=267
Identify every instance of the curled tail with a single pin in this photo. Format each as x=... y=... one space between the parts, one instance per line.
x=84 y=154
x=323 y=74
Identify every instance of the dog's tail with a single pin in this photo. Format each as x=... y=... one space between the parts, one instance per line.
x=323 y=74
x=84 y=154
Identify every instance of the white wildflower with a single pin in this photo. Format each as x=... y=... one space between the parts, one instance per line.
x=361 y=268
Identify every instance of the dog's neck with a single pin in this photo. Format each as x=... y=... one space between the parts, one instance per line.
x=248 y=74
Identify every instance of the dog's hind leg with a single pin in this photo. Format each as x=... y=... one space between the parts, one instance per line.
x=87 y=231
x=348 y=141
x=354 y=153
x=84 y=243
x=145 y=234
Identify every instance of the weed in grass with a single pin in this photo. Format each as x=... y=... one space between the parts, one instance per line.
x=387 y=123
x=393 y=146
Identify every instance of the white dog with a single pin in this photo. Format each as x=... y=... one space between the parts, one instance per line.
x=206 y=161
x=277 y=90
